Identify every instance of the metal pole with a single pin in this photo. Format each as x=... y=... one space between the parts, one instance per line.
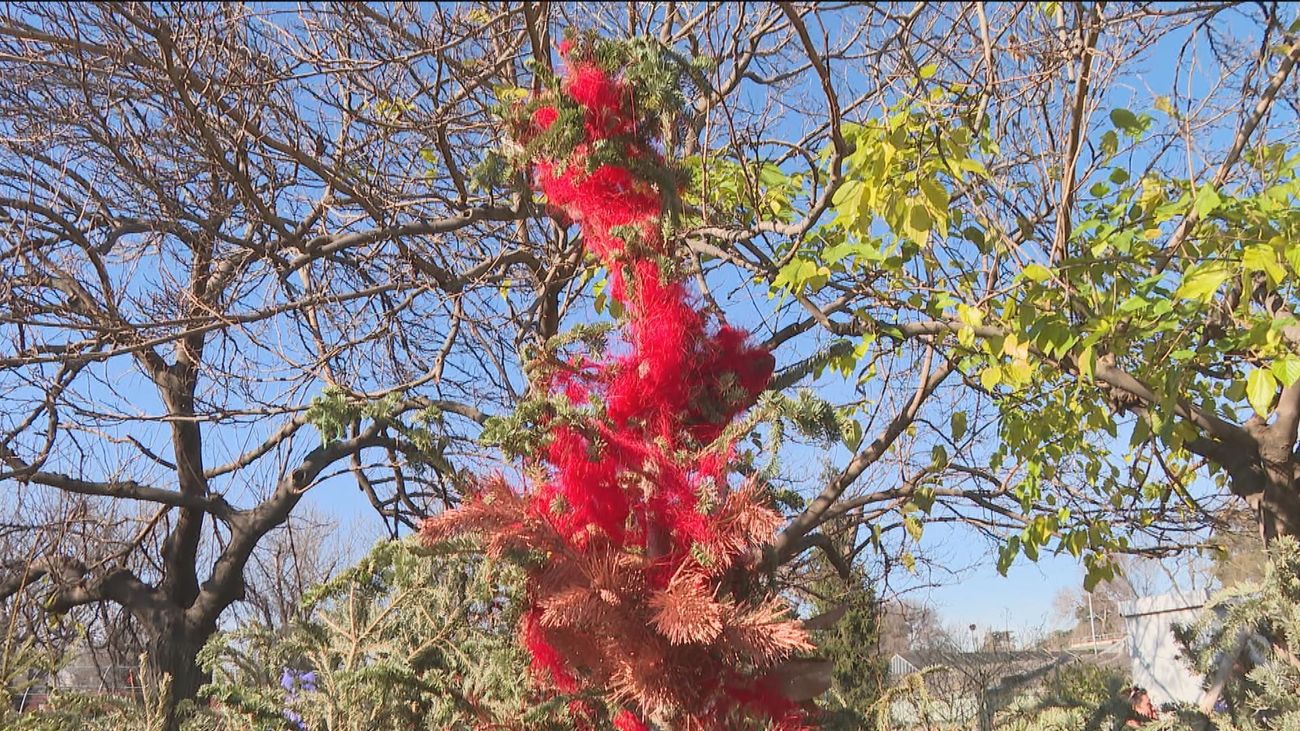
x=1092 y=623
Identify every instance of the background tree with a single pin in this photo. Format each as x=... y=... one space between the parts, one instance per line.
x=308 y=550
x=910 y=625
x=1002 y=219
x=852 y=644
x=200 y=234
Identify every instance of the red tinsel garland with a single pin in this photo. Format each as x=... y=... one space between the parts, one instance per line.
x=642 y=596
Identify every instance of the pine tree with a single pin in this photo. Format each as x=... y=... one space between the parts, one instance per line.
x=402 y=640
x=1246 y=643
x=852 y=644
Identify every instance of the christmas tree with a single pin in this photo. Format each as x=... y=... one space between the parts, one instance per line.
x=641 y=547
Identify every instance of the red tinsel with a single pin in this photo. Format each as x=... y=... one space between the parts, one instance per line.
x=644 y=531
x=544 y=117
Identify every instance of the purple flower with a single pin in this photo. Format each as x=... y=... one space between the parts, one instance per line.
x=294 y=681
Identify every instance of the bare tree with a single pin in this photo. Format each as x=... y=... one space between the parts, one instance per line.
x=309 y=549
x=209 y=214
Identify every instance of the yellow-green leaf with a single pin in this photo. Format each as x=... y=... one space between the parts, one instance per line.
x=1287 y=370
x=919 y=219
x=909 y=562
x=991 y=377
x=1207 y=201
x=914 y=527
x=1203 y=280
x=935 y=195
x=958 y=420
x=1261 y=386
x=1263 y=258
x=1038 y=272
x=851 y=434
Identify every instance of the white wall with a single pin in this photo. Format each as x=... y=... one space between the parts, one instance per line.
x=1156 y=667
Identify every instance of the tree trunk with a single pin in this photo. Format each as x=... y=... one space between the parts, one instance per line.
x=1278 y=510
x=1278 y=506
x=173 y=648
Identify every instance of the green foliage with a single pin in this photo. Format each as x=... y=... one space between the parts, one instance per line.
x=527 y=429
x=22 y=664
x=404 y=639
x=1173 y=282
x=80 y=711
x=1258 y=623
x=1170 y=327
x=812 y=417
x=336 y=409
x=1075 y=698
x=726 y=191
x=853 y=645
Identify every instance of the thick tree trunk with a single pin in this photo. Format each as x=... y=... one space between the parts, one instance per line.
x=1278 y=505
x=173 y=647
x=1264 y=471
x=1278 y=510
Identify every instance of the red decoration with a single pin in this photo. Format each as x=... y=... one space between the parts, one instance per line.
x=644 y=592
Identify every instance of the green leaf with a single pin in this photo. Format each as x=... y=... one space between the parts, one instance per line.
x=1207 y=201
x=929 y=70
x=1263 y=258
x=1124 y=119
x=851 y=434
x=958 y=423
x=1075 y=542
x=1293 y=257
x=1235 y=391
x=1109 y=143
x=924 y=499
x=1261 y=386
x=935 y=195
x=1008 y=554
x=1087 y=363
x=1038 y=272
x=919 y=219
x=1119 y=176
x=1287 y=370
x=1203 y=280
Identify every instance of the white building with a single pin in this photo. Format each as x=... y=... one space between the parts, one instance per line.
x=1149 y=624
